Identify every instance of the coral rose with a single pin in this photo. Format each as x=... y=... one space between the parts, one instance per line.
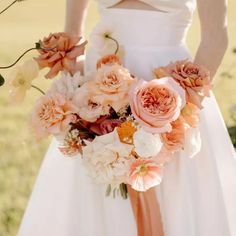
x=155 y=104
x=52 y=114
x=59 y=52
x=174 y=140
x=193 y=78
x=190 y=114
x=111 y=86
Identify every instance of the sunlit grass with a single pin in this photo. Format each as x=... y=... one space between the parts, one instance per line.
x=20 y=156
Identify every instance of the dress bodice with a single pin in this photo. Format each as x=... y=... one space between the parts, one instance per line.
x=166 y=26
x=163 y=5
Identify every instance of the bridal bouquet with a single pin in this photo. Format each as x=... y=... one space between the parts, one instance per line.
x=125 y=129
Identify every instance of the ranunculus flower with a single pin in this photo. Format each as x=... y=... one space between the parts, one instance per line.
x=193 y=142
x=52 y=114
x=145 y=174
x=21 y=78
x=111 y=86
x=174 y=140
x=190 y=114
x=193 y=78
x=59 y=53
x=86 y=106
x=146 y=145
x=156 y=103
x=107 y=159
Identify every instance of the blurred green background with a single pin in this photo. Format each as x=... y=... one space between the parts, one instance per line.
x=20 y=156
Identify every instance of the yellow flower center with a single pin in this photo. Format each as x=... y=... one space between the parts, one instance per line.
x=21 y=81
x=143 y=170
x=106 y=35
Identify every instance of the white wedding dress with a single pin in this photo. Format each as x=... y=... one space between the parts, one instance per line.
x=197 y=196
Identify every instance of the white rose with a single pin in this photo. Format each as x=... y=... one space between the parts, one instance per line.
x=146 y=144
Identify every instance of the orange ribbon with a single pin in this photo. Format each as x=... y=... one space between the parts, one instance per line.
x=146 y=210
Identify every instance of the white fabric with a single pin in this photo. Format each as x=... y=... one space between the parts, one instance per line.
x=197 y=196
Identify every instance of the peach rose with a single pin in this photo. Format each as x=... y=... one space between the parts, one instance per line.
x=86 y=107
x=111 y=86
x=52 y=114
x=59 y=52
x=174 y=140
x=193 y=78
x=190 y=114
x=155 y=104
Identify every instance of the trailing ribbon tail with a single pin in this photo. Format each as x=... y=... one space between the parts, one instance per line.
x=147 y=213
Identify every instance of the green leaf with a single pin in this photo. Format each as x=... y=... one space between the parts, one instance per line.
x=2 y=80
x=124 y=190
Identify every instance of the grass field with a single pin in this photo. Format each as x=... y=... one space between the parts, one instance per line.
x=20 y=156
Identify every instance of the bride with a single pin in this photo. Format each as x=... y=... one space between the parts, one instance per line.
x=197 y=196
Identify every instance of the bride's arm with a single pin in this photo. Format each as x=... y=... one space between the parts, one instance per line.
x=214 y=37
x=75 y=16
x=74 y=23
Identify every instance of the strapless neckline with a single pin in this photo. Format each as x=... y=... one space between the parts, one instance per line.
x=160 y=5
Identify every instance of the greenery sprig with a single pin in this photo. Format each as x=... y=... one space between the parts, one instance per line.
x=37 y=47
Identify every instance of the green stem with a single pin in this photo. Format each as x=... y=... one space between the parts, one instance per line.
x=37 y=88
x=38 y=46
x=6 y=67
x=9 y=6
x=116 y=42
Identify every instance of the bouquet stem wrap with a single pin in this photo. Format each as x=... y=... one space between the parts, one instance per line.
x=146 y=210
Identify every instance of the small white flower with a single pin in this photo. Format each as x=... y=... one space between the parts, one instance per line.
x=193 y=142
x=146 y=144
x=100 y=39
x=20 y=79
